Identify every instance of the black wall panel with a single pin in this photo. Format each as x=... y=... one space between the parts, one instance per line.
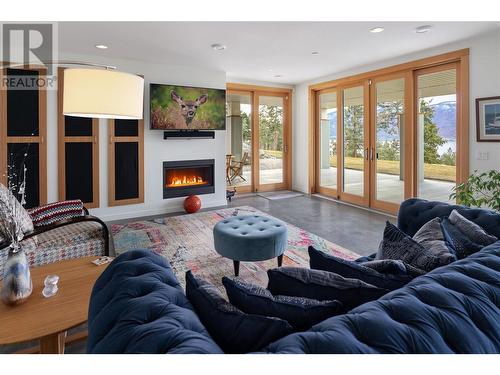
x=15 y=157
x=79 y=180
x=77 y=126
x=126 y=128
x=126 y=170
x=22 y=107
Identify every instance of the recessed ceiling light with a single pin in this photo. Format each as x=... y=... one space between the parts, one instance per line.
x=315 y=53
x=218 y=47
x=101 y=46
x=277 y=76
x=423 y=29
x=376 y=30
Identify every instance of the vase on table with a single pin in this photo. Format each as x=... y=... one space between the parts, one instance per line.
x=17 y=285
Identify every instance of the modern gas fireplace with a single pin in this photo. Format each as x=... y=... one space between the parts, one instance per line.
x=186 y=177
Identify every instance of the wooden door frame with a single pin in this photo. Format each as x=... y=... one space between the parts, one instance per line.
x=361 y=200
x=286 y=184
x=461 y=58
x=374 y=202
x=462 y=116
x=250 y=187
x=256 y=91
x=41 y=139
x=334 y=193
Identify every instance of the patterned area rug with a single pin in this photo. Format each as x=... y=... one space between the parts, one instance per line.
x=187 y=242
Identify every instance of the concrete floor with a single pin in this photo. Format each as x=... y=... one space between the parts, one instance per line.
x=389 y=187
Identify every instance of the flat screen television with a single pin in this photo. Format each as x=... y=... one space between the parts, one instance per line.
x=187 y=108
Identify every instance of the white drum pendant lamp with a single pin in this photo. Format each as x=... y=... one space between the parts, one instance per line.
x=100 y=93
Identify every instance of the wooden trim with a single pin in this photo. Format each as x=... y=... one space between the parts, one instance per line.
x=41 y=139
x=311 y=132
x=364 y=199
x=112 y=140
x=463 y=131
x=409 y=152
x=230 y=86
x=376 y=203
x=255 y=143
x=316 y=147
x=412 y=65
x=63 y=139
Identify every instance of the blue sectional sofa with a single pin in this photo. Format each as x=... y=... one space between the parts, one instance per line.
x=138 y=306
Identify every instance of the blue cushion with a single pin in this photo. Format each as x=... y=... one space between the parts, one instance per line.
x=250 y=237
x=321 y=285
x=138 y=306
x=319 y=260
x=453 y=309
x=233 y=330
x=414 y=213
x=397 y=245
x=300 y=312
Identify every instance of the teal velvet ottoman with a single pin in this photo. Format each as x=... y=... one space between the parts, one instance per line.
x=250 y=238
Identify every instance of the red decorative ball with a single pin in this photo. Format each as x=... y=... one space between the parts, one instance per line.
x=192 y=204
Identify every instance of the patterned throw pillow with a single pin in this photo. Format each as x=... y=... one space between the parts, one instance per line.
x=398 y=245
x=431 y=236
x=26 y=222
x=300 y=312
x=471 y=229
x=57 y=211
x=233 y=330
x=391 y=274
x=322 y=286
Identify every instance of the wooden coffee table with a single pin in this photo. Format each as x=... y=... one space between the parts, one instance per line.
x=48 y=319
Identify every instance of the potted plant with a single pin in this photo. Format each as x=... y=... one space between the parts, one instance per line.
x=480 y=190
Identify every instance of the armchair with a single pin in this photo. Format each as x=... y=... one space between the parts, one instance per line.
x=68 y=238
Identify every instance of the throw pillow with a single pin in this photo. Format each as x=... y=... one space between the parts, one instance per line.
x=233 y=330
x=471 y=229
x=431 y=237
x=398 y=245
x=321 y=285
x=388 y=278
x=394 y=266
x=7 y=197
x=57 y=211
x=300 y=312
x=461 y=242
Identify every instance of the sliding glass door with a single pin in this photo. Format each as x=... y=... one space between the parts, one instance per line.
x=272 y=141
x=436 y=132
x=389 y=137
x=327 y=142
x=387 y=148
x=354 y=141
x=258 y=139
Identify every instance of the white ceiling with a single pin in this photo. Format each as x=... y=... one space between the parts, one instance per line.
x=260 y=50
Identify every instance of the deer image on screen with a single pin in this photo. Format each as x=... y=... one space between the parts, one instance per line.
x=188 y=107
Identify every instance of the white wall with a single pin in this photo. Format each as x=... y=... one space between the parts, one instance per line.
x=484 y=78
x=156 y=149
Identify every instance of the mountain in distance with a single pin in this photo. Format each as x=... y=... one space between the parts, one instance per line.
x=444 y=117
